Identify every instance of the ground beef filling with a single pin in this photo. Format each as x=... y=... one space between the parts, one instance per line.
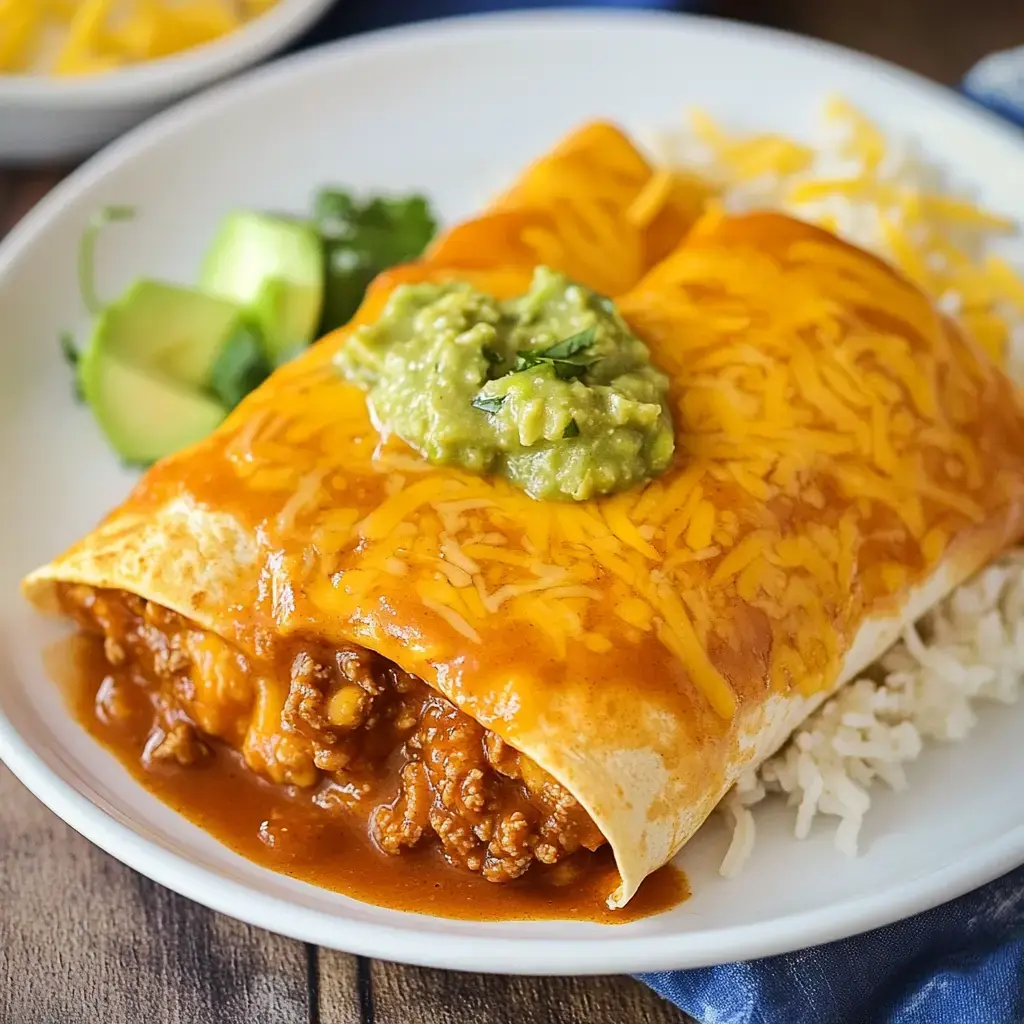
x=359 y=733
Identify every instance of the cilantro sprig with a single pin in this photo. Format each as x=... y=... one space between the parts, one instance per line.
x=363 y=238
x=488 y=403
x=560 y=356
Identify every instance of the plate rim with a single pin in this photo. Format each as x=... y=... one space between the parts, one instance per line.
x=479 y=952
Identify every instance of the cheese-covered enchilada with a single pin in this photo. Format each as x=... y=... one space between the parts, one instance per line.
x=545 y=677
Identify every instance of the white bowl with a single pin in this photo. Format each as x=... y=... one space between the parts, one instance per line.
x=45 y=118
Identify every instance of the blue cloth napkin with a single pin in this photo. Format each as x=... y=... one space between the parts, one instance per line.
x=961 y=963
x=998 y=83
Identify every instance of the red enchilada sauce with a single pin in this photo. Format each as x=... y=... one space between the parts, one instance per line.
x=326 y=835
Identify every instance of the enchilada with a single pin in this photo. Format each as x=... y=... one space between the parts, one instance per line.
x=543 y=678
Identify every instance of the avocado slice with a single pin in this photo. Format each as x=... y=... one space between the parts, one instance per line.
x=274 y=267
x=143 y=416
x=169 y=331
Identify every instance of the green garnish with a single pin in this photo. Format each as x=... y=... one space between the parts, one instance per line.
x=68 y=350
x=72 y=357
x=87 y=253
x=487 y=404
x=240 y=368
x=564 y=370
x=559 y=356
x=361 y=240
x=568 y=347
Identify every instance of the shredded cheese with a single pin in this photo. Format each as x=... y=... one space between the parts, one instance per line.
x=886 y=199
x=102 y=35
x=453 y=618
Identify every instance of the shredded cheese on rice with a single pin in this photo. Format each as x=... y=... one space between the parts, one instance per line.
x=879 y=194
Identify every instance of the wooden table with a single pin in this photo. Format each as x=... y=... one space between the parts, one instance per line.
x=84 y=939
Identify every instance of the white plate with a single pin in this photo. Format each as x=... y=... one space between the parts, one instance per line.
x=454 y=108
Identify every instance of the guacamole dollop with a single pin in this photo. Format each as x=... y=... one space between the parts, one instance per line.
x=550 y=390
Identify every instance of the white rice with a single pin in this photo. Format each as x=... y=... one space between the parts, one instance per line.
x=969 y=648
x=925 y=689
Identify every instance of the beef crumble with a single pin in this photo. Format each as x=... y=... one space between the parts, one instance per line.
x=493 y=810
x=353 y=729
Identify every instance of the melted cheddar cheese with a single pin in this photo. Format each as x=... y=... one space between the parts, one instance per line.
x=593 y=208
x=837 y=437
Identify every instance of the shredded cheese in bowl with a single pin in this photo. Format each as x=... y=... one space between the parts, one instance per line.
x=888 y=198
x=81 y=37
